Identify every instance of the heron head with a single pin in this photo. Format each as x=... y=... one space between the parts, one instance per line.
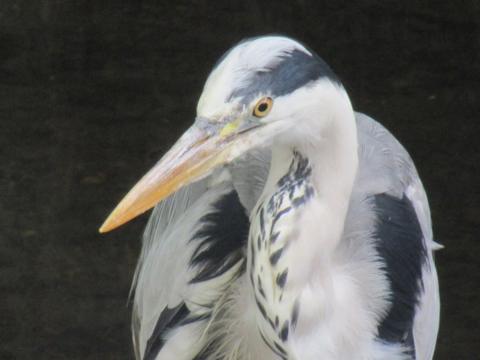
x=262 y=90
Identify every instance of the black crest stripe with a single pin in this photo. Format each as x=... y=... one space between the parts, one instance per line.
x=295 y=69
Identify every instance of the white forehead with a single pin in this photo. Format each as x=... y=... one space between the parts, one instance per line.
x=259 y=54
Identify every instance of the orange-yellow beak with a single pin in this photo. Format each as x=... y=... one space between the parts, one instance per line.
x=194 y=155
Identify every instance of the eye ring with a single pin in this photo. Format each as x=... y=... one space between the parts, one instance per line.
x=263 y=107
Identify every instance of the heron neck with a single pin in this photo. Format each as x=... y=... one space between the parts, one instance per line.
x=333 y=158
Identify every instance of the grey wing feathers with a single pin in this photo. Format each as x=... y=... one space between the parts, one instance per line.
x=192 y=248
x=249 y=174
x=387 y=172
x=161 y=281
x=165 y=296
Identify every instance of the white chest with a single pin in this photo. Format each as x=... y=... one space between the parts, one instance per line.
x=271 y=240
x=306 y=291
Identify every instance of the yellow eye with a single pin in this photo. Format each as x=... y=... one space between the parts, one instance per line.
x=263 y=107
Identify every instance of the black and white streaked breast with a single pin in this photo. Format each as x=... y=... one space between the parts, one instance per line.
x=269 y=242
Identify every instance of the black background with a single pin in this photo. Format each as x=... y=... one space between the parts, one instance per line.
x=93 y=92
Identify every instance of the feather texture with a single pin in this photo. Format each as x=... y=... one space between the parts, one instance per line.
x=176 y=279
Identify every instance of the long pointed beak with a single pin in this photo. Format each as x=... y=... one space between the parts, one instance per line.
x=194 y=155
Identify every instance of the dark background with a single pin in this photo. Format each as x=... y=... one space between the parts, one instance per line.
x=93 y=92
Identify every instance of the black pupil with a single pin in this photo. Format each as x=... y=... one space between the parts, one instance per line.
x=263 y=107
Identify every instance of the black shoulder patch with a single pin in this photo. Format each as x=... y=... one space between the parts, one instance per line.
x=401 y=247
x=168 y=319
x=221 y=238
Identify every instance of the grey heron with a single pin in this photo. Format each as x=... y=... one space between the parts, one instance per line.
x=288 y=226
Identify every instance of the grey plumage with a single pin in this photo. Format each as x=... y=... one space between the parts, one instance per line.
x=295 y=227
x=162 y=280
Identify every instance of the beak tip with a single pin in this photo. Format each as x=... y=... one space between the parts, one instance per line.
x=104 y=228
x=187 y=161
x=119 y=216
x=109 y=224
